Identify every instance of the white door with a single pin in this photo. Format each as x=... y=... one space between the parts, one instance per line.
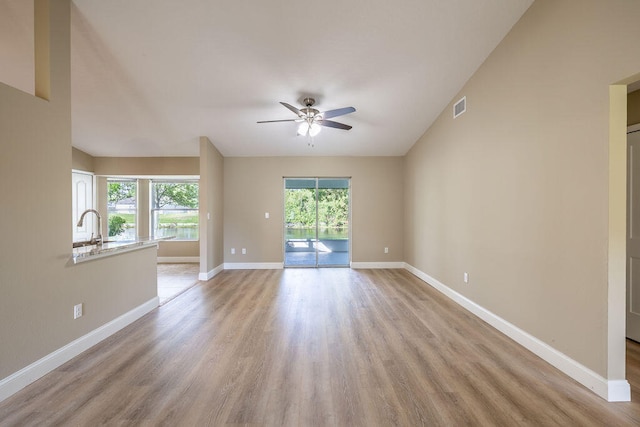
x=633 y=233
x=82 y=198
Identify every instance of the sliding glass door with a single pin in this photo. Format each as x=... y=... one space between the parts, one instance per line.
x=316 y=222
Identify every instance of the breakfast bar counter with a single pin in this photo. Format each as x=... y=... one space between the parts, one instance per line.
x=114 y=247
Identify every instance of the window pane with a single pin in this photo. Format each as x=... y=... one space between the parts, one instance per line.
x=174 y=209
x=183 y=224
x=121 y=208
x=174 y=195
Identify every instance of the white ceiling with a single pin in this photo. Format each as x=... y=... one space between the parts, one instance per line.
x=149 y=77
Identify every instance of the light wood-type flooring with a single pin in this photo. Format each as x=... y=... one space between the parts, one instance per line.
x=313 y=347
x=173 y=279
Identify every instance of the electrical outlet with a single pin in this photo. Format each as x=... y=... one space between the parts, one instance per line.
x=466 y=277
x=233 y=251
x=77 y=311
x=386 y=250
x=244 y=251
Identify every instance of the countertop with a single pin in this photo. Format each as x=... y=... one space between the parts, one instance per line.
x=115 y=247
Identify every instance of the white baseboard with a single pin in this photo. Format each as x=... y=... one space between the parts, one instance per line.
x=610 y=390
x=357 y=265
x=618 y=391
x=211 y=274
x=19 y=380
x=253 y=266
x=178 y=260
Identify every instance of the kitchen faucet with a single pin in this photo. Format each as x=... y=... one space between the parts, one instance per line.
x=98 y=239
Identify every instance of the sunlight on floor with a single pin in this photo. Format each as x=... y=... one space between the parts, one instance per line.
x=173 y=279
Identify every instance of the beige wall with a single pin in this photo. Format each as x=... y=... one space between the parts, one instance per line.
x=633 y=108
x=81 y=160
x=179 y=249
x=211 y=207
x=16 y=56
x=146 y=166
x=253 y=186
x=515 y=191
x=39 y=285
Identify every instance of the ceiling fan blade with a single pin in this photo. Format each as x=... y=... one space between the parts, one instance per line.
x=276 y=121
x=332 y=124
x=292 y=108
x=338 y=112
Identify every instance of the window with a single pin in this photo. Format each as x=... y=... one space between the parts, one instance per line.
x=121 y=208
x=174 y=209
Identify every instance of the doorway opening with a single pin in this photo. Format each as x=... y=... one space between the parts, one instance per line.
x=633 y=233
x=632 y=368
x=618 y=388
x=317 y=222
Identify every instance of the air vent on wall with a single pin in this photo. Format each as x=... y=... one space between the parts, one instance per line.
x=460 y=107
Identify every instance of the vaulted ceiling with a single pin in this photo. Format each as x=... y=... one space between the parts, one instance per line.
x=149 y=77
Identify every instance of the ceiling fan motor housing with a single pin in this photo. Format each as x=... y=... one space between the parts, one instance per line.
x=310 y=112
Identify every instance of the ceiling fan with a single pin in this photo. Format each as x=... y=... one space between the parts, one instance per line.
x=311 y=119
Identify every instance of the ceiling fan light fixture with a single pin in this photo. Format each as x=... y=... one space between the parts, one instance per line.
x=314 y=129
x=309 y=128
x=303 y=128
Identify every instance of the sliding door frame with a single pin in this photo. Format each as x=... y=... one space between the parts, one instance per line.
x=317 y=179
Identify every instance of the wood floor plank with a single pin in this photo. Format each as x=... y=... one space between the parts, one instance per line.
x=313 y=347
